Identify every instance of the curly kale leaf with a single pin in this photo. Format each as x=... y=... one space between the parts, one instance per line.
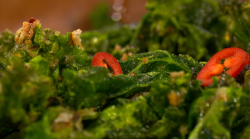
x=7 y=48
x=182 y=28
x=114 y=40
x=159 y=61
x=159 y=113
x=59 y=122
x=219 y=113
x=145 y=69
x=86 y=88
x=24 y=95
x=197 y=28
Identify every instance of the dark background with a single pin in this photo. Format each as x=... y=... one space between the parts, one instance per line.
x=68 y=15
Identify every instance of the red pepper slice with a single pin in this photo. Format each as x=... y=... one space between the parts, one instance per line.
x=32 y=20
x=71 y=40
x=235 y=60
x=98 y=60
x=248 y=63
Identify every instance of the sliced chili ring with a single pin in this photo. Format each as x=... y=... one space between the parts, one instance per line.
x=99 y=58
x=235 y=61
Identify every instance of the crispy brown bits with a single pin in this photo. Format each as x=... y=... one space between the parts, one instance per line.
x=174 y=98
x=132 y=74
x=75 y=38
x=145 y=60
x=24 y=34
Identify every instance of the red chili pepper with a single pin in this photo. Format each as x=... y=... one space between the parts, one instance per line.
x=235 y=61
x=71 y=40
x=32 y=20
x=99 y=58
x=248 y=63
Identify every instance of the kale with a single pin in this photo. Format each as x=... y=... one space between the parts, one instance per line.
x=197 y=28
x=49 y=90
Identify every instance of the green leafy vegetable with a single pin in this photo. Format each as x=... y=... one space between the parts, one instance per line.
x=49 y=90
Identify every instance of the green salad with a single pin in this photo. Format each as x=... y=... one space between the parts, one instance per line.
x=48 y=88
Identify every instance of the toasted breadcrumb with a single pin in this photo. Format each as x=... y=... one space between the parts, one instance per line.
x=174 y=98
x=124 y=57
x=25 y=33
x=76 y=38
x=145 y=60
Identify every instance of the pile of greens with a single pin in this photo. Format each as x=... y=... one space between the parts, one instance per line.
x=49 y=90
